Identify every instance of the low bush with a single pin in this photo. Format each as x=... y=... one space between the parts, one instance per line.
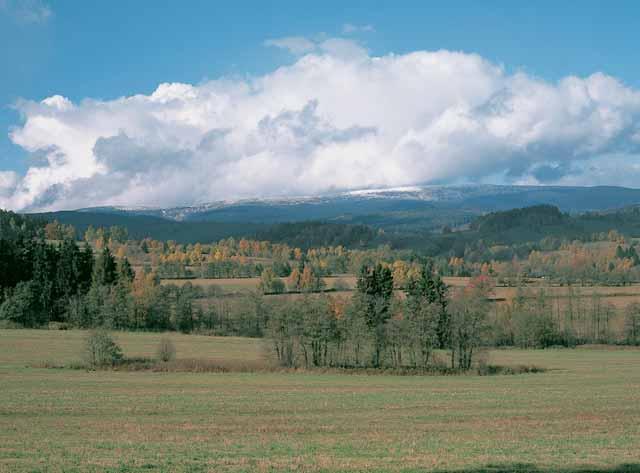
x=58 y=326
x=341 y=285
x=166 y=350
x=9 y=324
x=101 y=350
x=488 y=370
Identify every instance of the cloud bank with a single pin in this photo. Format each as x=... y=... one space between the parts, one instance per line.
x=336 y=119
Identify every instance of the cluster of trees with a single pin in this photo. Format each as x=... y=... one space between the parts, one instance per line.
x=611 y=262
x=230 y=269
x=628 y=253
x=305 y=279
x=114 y=233
x=15 y=226
x=302 y=279
x=536 y=319
x=37 y=278
x=41 y=282
x=307 y=235
x=209 y=270
x=378 y=329
x=575 y=263
x=57 y=231
x=530 y=218
x=62 y=282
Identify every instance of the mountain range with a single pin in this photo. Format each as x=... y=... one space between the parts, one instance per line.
x=403 y=211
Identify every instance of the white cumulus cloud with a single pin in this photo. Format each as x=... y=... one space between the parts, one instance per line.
x=337 y=118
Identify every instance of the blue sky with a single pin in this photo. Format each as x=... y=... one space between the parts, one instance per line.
x=105 y=50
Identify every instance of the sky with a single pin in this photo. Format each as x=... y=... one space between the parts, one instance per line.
x=178 y=103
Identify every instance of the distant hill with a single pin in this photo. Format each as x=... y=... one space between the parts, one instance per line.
x=426 y=206
x=318 y=234
x=300 y=234
x=412 y=218
x=529 y=225
x=567 y=199
x=143 y=226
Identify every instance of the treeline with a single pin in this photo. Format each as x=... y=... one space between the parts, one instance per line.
x=243 y=257
x=488 y=248
x=45 y=282
x=14 y=226
x=140 y=227
x=212 y=270
x=536 y=319
x=62 y=285
x=529 y=218
x=307 y=234
x=40 y=281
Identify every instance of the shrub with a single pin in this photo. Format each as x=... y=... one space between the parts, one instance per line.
x=58 y=326
x=166 y=350
x=489 y=370
x=270 y=283
x=101 y=350
x=9 y=324
x=341 y=285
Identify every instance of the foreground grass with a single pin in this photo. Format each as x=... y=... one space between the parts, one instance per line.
x=582 y=413
x=28 y=347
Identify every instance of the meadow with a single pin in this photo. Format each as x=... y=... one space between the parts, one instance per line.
x=580 y=415
x=619 y=296
x=233 y=285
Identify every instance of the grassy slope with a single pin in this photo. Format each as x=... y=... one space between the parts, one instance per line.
x=584 y=412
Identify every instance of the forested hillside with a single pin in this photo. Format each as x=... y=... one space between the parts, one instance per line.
x=15 y=226
x=512 y=227
x=527 y=227
x=307 y=235
x=144 y=226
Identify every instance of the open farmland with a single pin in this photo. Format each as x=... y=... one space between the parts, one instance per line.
x=348 y=282
x=617 y=297
x=631 y=291
x=583 y=412
x=229 y=285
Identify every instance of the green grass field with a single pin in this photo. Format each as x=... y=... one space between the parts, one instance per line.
x=582 y=413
